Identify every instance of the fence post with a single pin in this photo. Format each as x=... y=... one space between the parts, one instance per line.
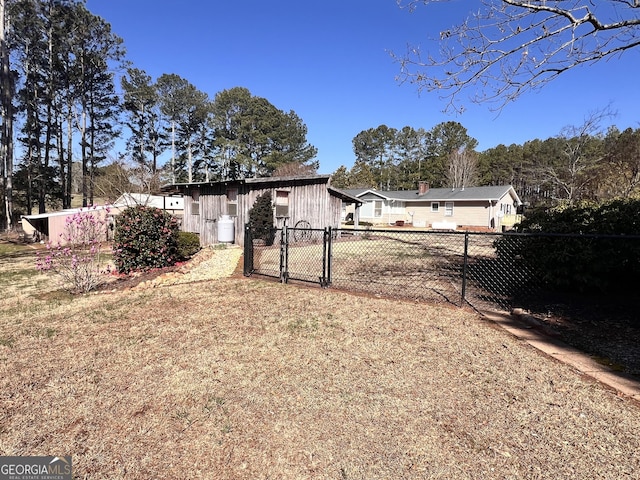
x=329 y=253
x=248 y=251
x=325 y=281
x=464 y=268
x=284 y=254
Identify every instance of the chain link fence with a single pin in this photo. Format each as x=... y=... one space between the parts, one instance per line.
x=484 y=270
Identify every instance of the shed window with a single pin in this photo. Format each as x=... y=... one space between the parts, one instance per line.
x=435 y=207
x=195 y=202
x=232 y=202
x=448 y=209
x=282 y=203
x=377 y=208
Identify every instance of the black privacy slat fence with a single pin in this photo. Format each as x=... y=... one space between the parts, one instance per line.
x=483 y=270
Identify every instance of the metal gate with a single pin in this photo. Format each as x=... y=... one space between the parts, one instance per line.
x=302 y=254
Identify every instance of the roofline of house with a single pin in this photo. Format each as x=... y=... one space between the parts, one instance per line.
x=444 y=199
x=344 y=196
x=422 y=198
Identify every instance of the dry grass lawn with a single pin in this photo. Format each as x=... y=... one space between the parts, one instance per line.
x=247 y=379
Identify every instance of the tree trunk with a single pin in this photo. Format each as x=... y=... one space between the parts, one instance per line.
x=63 y=166
x=83 y=148
x=7 y=122
x=190 y=164
x=29 y=183
x=49 y=125
x=69 y=162
x=173 y=152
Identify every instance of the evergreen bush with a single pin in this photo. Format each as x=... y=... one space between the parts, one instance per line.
x=188 y=245
x=581 y=263
x=261 y=219
x=145 y=238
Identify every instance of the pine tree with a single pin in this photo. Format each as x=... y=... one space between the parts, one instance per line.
x=95 y=46
x=141 y=107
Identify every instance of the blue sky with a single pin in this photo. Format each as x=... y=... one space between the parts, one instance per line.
x=329 y=61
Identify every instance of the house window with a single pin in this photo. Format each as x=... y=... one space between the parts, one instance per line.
x=232 y=202
x=282 y=203
x=377 y=208
x=435 y=207
x=505 y=208
x=195 y=202
x=448 y=209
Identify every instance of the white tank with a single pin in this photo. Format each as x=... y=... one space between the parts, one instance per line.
x=226 y=229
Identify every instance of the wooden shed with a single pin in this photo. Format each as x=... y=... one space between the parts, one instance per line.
x=308 y=199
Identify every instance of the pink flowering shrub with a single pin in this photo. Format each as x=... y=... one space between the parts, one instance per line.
x=75 y=257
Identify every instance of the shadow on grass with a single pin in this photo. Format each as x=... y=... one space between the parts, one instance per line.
x=605 y=326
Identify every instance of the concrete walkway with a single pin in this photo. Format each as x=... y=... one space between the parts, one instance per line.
x=533 y=332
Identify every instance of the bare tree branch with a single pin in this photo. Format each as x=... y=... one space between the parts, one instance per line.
x=509 y=47
x=578 y=165
x=463 y=168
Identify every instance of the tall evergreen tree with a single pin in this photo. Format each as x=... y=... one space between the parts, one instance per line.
x=376 y=147
x=253 y=137
x=142 y=117
x=172 y=90
x=340 y=178
x=412 y=149
x=446 y=138
x=360 y=175
x=31 y=50
x=95 y=47
x=192 y=133
x=62 y=53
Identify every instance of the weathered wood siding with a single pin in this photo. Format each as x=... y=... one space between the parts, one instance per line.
x=310 y=202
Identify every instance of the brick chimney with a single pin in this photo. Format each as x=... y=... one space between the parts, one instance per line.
x=423 y=187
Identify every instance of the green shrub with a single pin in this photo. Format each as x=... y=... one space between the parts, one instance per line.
x=580 y=263
x=188 y=245
x=261 y=219
x=145 y=238
x=616 y=217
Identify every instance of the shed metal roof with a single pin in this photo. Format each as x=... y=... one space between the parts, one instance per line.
x=258 y=180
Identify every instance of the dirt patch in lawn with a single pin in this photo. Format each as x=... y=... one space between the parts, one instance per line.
x=243 y=379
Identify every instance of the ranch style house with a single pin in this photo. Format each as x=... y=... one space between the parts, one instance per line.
x=490 y=208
